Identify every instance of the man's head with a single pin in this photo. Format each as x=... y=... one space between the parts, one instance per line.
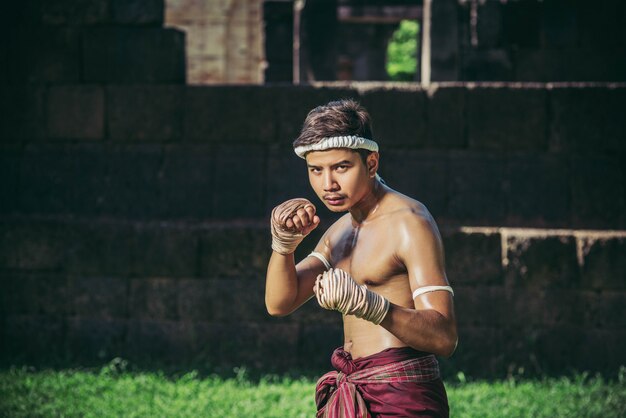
x=342 y=158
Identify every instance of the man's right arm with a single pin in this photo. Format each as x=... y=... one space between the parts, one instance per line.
x=288 y=286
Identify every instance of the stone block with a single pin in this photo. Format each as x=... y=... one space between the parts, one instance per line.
x=268 y=347
x=601 y=23
x=316 y=344
x=10 y=159
x=69 y=179
x=104 y=298
x=95 y=340
x=476 y=189
x=222 y=114
x=557 y=348
x=111 y=249
x=480 y=306
x=521 y=23
x=603 y=263
x=538 y=190
x=37 y=294
x=34 y=246
x=43 y=54
x=494 y=122
x=239 y=300
x=398 y=116
x=479 y=352
x=133 y=55
x=235 y=252
x=538 y=262
x=587 y=119
x=185 y=182
x=240 y=178
x=601 y=351
x=74 y=12
x=536 y=308
x=487 y=65
x=32 y=339
x=311 y=313
x=445 y=33
x=138 y=12
x=23 y=113
x=560 y=24
x=597 y=192
x=291 y=105
x=153 y=298
x=159 y=341
x=473 y=258
x=602 y=310
x=197 y=300
x=144 y=113
x=489 y=24
x=419 y=174
x=75 y=112
x=446 y=118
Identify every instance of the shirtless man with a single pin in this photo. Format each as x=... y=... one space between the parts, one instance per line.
x=381 y=265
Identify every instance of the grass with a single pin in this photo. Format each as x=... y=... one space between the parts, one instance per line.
x=113 y=391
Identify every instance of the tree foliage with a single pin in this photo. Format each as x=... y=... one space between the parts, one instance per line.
x=402 y=52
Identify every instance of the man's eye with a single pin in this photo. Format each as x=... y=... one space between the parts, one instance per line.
x=342 y=167
x=315 y=170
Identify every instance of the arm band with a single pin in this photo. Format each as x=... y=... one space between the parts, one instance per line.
x=427 y=289
x=321 y=257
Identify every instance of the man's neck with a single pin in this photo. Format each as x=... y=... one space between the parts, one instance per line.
x=369 y=204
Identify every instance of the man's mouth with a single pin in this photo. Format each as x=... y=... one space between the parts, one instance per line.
x=334 y=200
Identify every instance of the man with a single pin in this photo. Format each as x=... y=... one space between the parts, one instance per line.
x=381 y=265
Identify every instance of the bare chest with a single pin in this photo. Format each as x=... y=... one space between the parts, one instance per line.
x=368 y=254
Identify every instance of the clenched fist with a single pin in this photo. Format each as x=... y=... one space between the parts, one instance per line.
x=291 y=221
x=336 y=290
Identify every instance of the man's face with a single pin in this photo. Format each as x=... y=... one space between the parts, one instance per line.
x=339 y=177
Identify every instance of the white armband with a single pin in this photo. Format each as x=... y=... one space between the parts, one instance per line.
x=427 y=289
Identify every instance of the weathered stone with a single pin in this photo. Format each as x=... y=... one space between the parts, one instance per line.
x=522 y=23
x=240 y=178
x=560 y=24
x=597 y=188
x=32 y=339
x=557 y=348
x=473 y=258
x=537 y=262
x=197 y=299
x=234 y=252
x=239 y=300
x=537 y=308
x=23 y=113
x=99 y=297
x=487 y=65
x=95 y=340
x=37 y=294
x=445 y=33
x=494 y=121
x=153 y=298
x=476 y=190
x=75 y=112
x=489 y=24
x=159 y=341
x=604 y=263
x=486 y=361
x=138 y=12
x=480 y=306
x=34 y=246
x=398 y=116
x=144 y=113
x=216 y=114
x=601 y=350
x=587 y=119
x=133 y=55
x=316 y=344
x=603 y=310
x=292 y=104
x=446 y=118
x=287 y=178
x=66 y=179
x=10 y=158
x=42 y=54
x=185 y=182
x=419 y=174
x=108 y=249
x=538 y=190
x=75 y=12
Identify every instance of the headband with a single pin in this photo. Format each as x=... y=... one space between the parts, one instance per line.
x=350 y=141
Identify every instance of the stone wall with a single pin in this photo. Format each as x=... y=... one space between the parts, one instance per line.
x=133 y=208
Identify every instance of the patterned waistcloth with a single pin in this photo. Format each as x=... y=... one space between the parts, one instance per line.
x=394 y=382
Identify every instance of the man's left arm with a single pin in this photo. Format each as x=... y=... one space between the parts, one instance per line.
x=431 y=325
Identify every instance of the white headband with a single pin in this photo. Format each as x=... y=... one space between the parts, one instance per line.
x=350 y=141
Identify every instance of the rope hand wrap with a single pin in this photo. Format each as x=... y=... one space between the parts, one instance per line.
x=286 y=240
x=336 y=290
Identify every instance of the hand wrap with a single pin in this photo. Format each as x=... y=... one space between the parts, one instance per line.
x=337 y=290
x=285 y=240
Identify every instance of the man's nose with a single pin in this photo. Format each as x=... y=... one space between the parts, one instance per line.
x=329 y=182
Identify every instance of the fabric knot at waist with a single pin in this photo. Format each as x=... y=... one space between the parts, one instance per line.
x=337 y=393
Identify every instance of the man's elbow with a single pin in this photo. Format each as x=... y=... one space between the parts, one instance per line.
x=277 y=311
x=447 y=345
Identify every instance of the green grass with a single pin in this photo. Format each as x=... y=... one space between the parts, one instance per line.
x=115 y=392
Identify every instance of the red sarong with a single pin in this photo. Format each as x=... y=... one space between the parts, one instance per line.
x=397 y=382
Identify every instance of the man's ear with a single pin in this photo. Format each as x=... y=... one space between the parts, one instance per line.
x=372 y=163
